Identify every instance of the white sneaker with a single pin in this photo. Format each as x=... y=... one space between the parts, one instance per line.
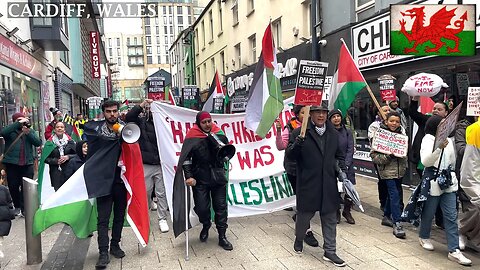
x=1 y=254
x=163 y=225
x=457 y=256
x=461 y=242
x=426 y=244
x=153 y=206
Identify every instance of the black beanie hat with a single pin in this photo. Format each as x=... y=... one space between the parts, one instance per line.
x=333 y=112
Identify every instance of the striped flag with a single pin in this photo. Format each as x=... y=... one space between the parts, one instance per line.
x=347 y=82
x=74 y=203
x=169 y=96
x=265 y=101
x=215 y=91
x=70 y=128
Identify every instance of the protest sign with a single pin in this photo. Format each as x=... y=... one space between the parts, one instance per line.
x=424 y=85
x=218 y=105
x=191 y=97
x=473 y=101
x=156 y=88
x=446 y=126
x=258 y=183
x=387 y=87
x=387 y=142
x=310 y=82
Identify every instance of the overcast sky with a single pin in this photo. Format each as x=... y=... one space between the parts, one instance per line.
x=124 y=25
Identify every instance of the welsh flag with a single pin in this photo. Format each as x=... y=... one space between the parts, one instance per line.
x=347 y=82
x=74 y=203
x=265 y=101
x=215 y=92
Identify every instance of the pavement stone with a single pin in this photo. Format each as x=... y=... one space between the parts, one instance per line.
x=260 y=242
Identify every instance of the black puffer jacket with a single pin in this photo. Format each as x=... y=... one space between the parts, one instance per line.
x=148 y=139
x=5 y=206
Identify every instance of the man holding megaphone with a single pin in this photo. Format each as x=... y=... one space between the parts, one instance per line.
x=202 y=162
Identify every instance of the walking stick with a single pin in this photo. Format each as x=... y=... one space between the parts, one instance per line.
x=186 y=223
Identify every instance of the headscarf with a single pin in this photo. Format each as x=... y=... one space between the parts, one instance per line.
x=432 y=124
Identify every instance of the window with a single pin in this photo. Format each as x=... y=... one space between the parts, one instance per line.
x=222 y=63
x=157 y=29
x=197 y=42
x=109 y=42
x=119 y=61
x=189 y=20
x=189 y=11
x=212 y=63
x=158 y=50
x=220 y=16
x=135 y=41
x=164 y=9
x=250 y=6
x=179 y=10
x=156 y=20
x=210 y=17
x=180 y=29
x=148 y=40
x=128 y=41
x=164 y=19
x=180 y=19
x=147 y=20
x=198 y=76
x=203 y=33
x=171 y=39
x=238 y=57
x=64 y=26
x=149 y=49
x=166 y=39
x=171 y=30
x=204 y=73
x=149 y=59
x=167 y=59
x=118 y=51
x=253 y=47
x=277 y=32
x=166 y=49
x=65 y=58
x=165 y=30
x=147 y=30
x=170 y=19
x=170 y=9
x=110 y=51
x=364 y=9
x=235 y=12
x=118 y=42
x=158 y=39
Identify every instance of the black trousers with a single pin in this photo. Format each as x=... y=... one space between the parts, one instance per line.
x=15 y=174
x=206 y=196
x=293 y=182
x=118 y=198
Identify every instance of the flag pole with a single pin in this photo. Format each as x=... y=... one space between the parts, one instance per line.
x=306 y=117
x=186 y=223
x=368 y=87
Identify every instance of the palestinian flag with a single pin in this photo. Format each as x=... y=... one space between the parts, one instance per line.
x=124 y=106
x=215 y=94
x=347 y=82
x=265 y=101
x=447 y=30
x=194 y=136
x=74 y=203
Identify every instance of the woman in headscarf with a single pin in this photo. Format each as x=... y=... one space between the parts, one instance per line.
x=78 y=160
x=63 y=150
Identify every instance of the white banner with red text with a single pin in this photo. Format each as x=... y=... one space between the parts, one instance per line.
x=258 y=183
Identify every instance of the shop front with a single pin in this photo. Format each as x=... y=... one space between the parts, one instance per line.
x=20 y=91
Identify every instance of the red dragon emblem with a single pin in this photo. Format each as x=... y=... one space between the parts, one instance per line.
x=438 y=29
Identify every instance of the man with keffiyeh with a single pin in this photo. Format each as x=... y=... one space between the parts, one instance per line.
x=207 y=176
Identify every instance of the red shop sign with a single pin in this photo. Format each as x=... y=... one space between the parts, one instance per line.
x=95 y=54
x=19 y=59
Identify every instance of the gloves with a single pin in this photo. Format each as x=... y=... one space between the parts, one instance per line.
x=299 y=140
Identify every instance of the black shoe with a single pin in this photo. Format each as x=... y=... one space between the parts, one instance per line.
x=103 y=261
x=294 y=217
x=339 y=217
x=224 y=243
x=117 y=252
x=310 y=239
x=333 y=258
x=398 y=231
x=298 y=246
x=387 y=222
x=204 y=233
x=289 y=209
x=348 y=216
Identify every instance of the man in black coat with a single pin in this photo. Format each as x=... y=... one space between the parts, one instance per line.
x=152 y=168
x=317 y=155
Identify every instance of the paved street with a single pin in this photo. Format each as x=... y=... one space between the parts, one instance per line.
x=260 y=242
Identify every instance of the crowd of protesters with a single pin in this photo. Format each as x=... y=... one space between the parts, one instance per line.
x=448 y=175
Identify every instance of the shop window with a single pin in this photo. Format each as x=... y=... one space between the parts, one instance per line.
x=64 y=57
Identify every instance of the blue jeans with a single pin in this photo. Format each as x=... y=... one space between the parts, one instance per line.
x=447 y=203
x=392 y=206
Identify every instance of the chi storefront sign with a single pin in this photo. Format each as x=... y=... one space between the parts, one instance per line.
x=95 y=54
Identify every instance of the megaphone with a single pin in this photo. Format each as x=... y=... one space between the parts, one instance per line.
x=130 y=132
x=224 y=151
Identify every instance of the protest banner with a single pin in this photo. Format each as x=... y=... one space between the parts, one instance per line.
x=473 y=101
x=446 y=126
x=258 y=183
x=310 y=82
x=156 y=88
x=387 y=87
x=387 y=142
x=191 y=97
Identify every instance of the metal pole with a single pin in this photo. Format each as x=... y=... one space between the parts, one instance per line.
x=33 y=243
x=186 y=223
x=313 y=16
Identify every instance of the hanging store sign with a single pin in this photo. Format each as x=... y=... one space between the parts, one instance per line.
x=95 y=54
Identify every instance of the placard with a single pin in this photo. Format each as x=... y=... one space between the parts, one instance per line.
x=387 y=87
x=387 y=142
x=473 y=101
x=191 y=97
x=310 y=82
x=218 y=105
x=446 y=126
x=156 y=88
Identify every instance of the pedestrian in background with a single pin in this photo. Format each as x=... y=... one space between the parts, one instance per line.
x=345 y=141
x=57 y=116
x=439 y=174
x=317 y=154
x=391 y=170
x=18 y=156
x=291 y=164
x=152 y=167
x=60 y=155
